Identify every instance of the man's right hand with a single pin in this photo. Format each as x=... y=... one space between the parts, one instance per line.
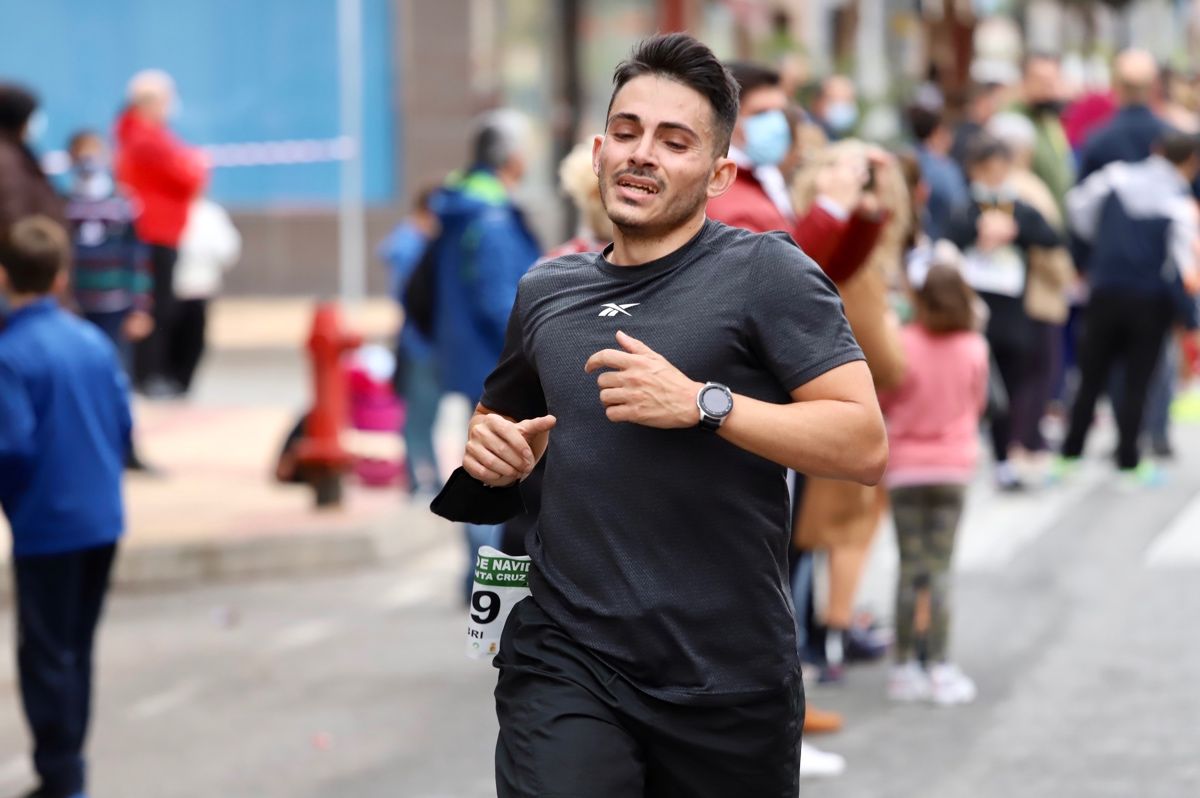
x=499 y=453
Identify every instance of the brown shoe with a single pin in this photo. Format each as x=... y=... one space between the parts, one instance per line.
x=821 y=721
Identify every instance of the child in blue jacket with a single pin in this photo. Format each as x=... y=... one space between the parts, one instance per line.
x=64 y=434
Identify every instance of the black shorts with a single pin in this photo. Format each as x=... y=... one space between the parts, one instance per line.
x=571 y=727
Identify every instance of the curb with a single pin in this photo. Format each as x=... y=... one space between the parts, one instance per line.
x=151 y=566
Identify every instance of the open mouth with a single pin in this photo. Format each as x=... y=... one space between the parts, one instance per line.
x=638 y=185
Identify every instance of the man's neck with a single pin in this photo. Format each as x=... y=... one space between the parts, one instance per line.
x=18 y=301
x=635 y=250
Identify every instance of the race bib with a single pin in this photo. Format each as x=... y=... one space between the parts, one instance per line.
x=500 y=582
x=1001 y=271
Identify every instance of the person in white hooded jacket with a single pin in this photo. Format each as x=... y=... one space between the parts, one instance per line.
x=210 y=246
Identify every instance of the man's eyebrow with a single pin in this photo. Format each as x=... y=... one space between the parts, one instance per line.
x=626 y=116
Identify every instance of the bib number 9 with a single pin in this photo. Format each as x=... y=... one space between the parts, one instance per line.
x=486 y=605
x=501 y=581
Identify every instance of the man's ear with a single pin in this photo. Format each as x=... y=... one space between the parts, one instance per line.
x=62 y=282
x=597 y=143
x=722 y=178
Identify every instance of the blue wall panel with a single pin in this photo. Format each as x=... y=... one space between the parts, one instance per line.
x=255 y=71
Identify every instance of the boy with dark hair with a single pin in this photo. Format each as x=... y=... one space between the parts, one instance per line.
x=64 y=434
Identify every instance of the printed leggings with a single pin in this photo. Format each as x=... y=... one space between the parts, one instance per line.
x=926 y=519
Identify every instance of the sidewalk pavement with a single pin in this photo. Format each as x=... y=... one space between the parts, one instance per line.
x=216 y=512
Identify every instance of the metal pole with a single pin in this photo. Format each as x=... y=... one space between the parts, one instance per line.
x=351 y=221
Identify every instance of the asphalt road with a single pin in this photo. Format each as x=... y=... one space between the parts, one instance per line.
x=1076 y=614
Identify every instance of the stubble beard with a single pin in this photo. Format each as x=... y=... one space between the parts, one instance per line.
x=675 y=212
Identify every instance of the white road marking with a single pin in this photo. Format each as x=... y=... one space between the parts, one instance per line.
x=301 y=635
x=163 y=702
x=997 y=527
x=1178 y=545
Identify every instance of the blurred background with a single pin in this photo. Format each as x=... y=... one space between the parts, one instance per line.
x=281 y=632
x=263 y=85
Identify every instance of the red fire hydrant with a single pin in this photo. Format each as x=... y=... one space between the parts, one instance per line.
x=320 y=453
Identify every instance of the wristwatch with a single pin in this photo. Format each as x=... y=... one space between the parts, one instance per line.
x=715 y=402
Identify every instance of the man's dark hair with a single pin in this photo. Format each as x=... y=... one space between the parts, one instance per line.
x=497 y=138
x=923 y=122
x=984 y=147
x=17 y=104
x=1177 y=147
x=945 y=303
x=33 y=253
x=750 y=76
x=679 y=57
x=80 y=136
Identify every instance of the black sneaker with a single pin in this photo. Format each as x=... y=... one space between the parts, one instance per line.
x=1163 y=450
x=42 y=792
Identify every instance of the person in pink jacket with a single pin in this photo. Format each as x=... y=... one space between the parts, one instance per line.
x=933 y=420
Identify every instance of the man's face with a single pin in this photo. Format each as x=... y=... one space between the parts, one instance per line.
x=1042 y=81
x=657 y=159
x=765 y=98
x=157 y=107
x=838 y=89
x=89 y=150
x=992 y=173
x=516 y=166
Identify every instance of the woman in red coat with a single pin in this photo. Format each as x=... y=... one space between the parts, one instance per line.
x=162 y=175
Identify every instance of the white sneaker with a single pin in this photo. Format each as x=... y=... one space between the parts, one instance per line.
x=818 y=764
x=909 y=682
x=950 y=685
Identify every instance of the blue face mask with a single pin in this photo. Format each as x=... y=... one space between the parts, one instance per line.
x=768 y=138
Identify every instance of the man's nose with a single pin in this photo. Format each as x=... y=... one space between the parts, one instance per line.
x=643 y=154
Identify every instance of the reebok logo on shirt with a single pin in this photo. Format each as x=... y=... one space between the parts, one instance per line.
x=611 y=309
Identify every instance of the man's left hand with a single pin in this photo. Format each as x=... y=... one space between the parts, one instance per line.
x=643 y=387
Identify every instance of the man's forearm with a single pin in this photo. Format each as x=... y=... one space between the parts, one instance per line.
x=821 y=438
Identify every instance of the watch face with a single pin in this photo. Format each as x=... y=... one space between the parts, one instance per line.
x=716 y=402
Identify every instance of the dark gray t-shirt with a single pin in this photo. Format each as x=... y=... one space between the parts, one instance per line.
x=664 y=552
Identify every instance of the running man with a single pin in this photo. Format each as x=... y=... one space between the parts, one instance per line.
x=670 y=380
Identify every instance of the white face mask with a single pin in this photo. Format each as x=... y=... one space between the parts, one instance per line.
x=988 y=195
